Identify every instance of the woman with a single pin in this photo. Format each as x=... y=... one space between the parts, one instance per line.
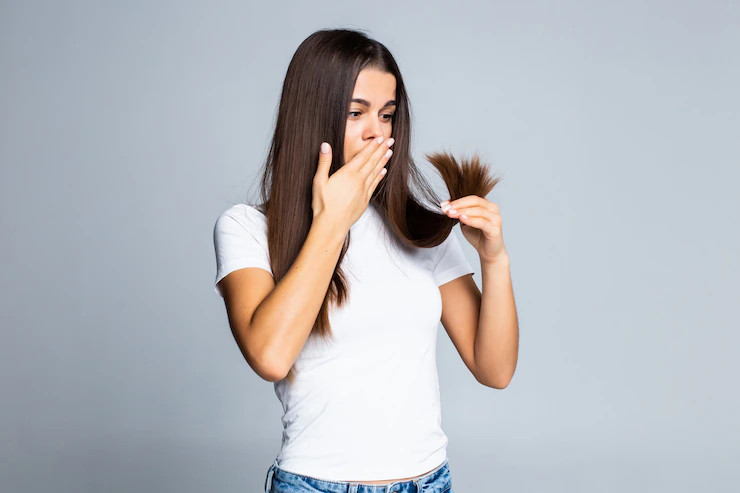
x=335 y=285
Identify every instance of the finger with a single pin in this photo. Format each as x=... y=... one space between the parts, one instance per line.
x=322 y=172
x=385 y=157
x=469 y=201
x=380 y=165
x=475 y=211
x=481 y=222
x=379 y=176
x=359 y=160
x=475 y=222
x=379 y=157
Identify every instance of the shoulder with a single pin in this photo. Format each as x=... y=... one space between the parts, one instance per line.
x=241 y=218
x=244 y=211
x=244 y=214
x=438 y=252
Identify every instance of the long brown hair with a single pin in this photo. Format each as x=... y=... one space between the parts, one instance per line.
x=313 y=108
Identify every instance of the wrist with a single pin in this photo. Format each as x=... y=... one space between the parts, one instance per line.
x=501 y=260
x=329 y=228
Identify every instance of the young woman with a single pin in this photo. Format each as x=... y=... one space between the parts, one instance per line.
x=336 y=283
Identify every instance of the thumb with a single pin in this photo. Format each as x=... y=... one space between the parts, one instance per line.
x=324 y=162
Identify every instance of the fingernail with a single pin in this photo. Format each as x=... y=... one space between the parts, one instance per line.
x=324 y=148
x=445 y=207
x=380 y=139
x=444 y=203
x=390 y=141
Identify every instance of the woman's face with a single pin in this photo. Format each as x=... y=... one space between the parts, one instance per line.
x=371 y=110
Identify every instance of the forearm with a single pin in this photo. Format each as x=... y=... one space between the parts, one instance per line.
x=497 y=337
x=283 y=321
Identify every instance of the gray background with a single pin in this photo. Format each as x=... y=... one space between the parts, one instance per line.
x=128 y=127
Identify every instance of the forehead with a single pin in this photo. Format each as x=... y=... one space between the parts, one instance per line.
x=375 y=85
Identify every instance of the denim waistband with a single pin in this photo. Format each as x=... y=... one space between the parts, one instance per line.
x=438 y=474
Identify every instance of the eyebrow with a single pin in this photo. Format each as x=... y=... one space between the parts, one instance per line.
x=391 y=102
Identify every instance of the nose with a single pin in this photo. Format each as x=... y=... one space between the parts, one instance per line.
x=373 y=130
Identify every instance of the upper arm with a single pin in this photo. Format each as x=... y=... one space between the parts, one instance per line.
x=461 y=300
x=243 y=291
x=243 y=273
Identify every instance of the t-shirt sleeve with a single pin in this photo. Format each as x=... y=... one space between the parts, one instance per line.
x=451 y=262
x=240 y=240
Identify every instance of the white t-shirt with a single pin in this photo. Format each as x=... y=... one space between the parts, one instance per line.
x=365 y=406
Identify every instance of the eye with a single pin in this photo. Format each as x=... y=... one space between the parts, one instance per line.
x=388 y=115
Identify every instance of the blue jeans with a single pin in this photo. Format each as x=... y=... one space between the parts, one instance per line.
x=281 y=481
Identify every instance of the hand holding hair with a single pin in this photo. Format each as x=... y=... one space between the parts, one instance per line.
x=480 y=221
